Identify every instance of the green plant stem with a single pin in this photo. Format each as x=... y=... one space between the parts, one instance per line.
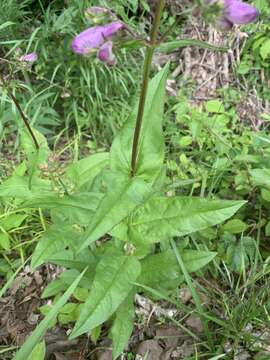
x=146 y=73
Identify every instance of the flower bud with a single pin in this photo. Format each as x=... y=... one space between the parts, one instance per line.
x=97 y=14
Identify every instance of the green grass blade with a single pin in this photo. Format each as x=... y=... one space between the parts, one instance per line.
x=11 y=279
x=40 y=331
x=192 y=290
x=6 y=24
x=221 y=356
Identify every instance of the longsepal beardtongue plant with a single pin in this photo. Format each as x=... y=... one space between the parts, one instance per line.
x=115 y=230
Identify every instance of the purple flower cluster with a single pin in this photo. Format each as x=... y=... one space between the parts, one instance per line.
x=98 y=39
x=236 y=12
x=29 y=58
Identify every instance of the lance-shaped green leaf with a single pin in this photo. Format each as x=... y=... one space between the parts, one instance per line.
x=18 y=186
x=261 y=177
x=182 y=43
x=82 y=201
x=85 y=170
x=39 y=352
x=66 y=278
x=54 y=240
x=122 y=326
x=78 y=261
x=123 y=196
x=151 y=143
x=163 y=217
x=72 y=209
x=112 y=284
x=35 y=157
x=162 y=270
x=12 y=221
x=31 y=152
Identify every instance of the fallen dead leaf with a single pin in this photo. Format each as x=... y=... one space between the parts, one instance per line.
x=105 y=355
x=185 y=295
x=151 y=348
x=169 y=335
x=195 y=323
x=183 y=351
x=243 y=355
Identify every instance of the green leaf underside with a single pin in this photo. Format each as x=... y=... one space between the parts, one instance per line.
x=44 y=325
x=66 y=278
x=261 y=177
x=82 y=201
x=38 y=352
x=162 y=270
x=112 y=284
x=122 y=326
x=234 y=226
x=69 y=259
x=241 y=253
x=151 y=144
x=12 y=221
x=124 y=195
x=35 y=157
x=29 y=146
x=18 y=186
x=72 y=209
x=4 y=241
x=85 y=170
x=53 y=288
x=163 y=217
x=55 y=239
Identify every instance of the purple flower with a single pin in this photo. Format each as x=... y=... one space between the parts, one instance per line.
x=29 y=58
x=106 y=55
x=237 y=12
x=234 y=12
x=93 y=38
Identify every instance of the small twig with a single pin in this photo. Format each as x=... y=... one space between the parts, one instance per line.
x=25 y=120
x=22 y=114
x=209 y=79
